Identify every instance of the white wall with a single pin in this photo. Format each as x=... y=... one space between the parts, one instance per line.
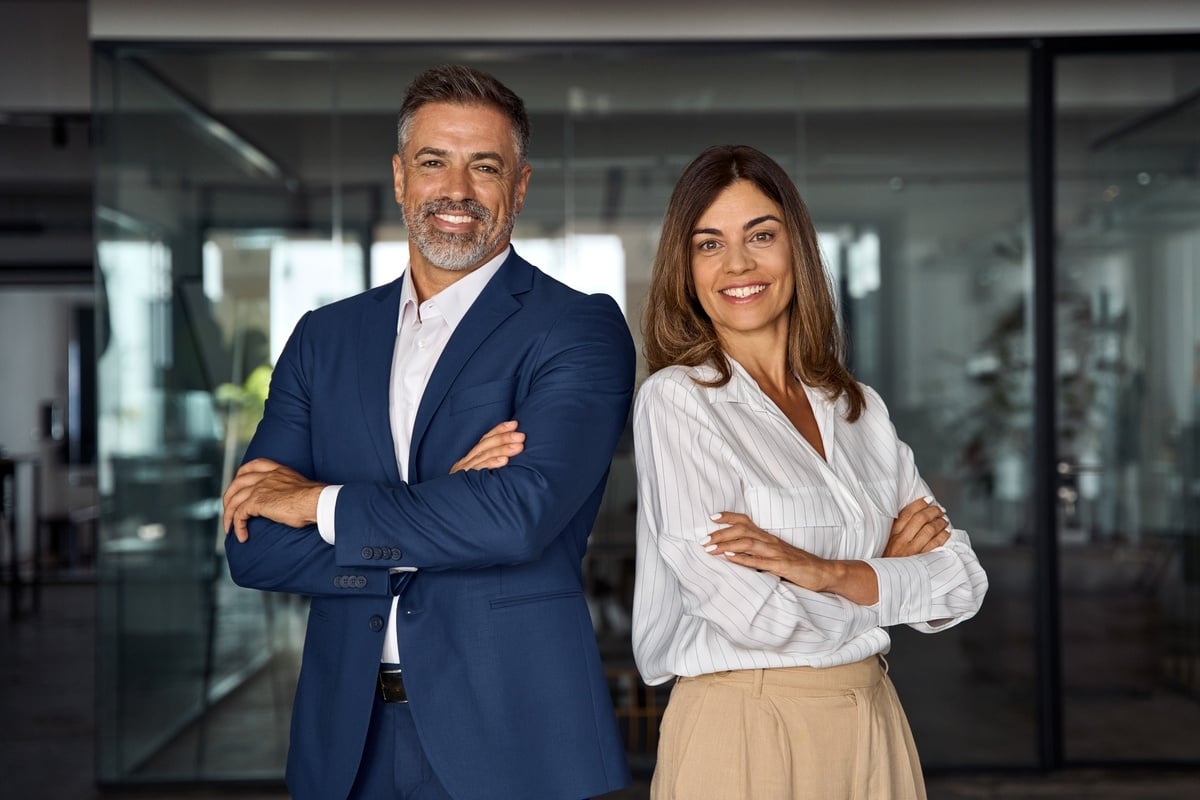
x=627 y=20
x=35 y=328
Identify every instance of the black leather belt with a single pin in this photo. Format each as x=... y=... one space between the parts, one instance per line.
x=391 y=686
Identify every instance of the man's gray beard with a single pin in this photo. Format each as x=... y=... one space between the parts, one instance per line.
x=455 y=251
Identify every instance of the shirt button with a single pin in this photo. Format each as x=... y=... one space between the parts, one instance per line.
x=375 y=623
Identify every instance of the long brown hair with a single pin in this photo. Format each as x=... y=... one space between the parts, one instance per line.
x=676 y=330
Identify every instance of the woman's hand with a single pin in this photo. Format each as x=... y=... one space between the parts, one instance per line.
x=921 y=526
x=746 y=544
x=494 y=450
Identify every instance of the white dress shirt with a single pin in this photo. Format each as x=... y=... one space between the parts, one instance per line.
x=701 y=451
x=421 y=335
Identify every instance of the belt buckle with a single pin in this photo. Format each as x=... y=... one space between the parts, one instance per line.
x=391 y=686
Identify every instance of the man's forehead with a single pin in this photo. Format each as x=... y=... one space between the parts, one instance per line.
x=479 y=119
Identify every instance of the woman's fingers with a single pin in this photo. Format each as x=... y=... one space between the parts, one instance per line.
x=918 y=530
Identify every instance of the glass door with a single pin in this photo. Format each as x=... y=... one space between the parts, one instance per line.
x=1128 y=418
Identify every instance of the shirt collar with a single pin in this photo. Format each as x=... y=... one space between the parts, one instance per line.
x=741 y=388
x=456 y=299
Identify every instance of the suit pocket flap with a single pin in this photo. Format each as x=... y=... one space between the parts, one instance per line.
x=482 y=394
x=534 y=597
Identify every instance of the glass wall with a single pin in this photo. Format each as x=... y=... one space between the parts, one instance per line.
x=238 y=187
x=1128 y=367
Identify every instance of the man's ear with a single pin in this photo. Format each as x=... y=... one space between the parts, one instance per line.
x=522 y=187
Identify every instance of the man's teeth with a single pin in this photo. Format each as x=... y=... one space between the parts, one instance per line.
x=456 y=219
x=743 y=291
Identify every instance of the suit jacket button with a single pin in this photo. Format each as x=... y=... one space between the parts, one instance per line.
x=375 y=623
x=397 y=554
x=337 y=581
x=360 y=582
x=367 y=553
x=380 y=552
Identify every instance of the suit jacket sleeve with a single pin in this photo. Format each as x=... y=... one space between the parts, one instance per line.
x=278 y=557
x=572 y=415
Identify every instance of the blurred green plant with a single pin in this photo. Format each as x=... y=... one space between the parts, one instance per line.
x=244 y=404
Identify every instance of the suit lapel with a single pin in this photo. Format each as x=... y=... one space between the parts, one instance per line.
x=496 y=303
x=376 y=345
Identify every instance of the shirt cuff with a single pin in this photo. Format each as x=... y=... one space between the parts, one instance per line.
x=904 y=593
x=326 y=512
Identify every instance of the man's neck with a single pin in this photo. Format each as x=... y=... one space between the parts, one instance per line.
x=429 y=280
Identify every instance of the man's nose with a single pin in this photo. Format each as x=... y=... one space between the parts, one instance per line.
x=458 y=183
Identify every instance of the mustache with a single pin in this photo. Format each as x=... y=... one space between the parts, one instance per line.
x=445 y=205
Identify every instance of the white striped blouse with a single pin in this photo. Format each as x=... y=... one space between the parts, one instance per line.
x=703 y=450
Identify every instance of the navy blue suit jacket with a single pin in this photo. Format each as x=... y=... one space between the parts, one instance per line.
x=500 y=661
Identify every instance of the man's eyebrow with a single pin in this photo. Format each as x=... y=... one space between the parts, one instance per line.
x=483 y=155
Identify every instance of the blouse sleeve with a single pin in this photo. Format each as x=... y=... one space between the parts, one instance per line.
x=931 y=591
x=686 y=473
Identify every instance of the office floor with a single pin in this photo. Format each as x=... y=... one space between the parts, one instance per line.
x=47 y=748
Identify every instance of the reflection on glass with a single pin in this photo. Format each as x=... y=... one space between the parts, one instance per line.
x=1128 y=369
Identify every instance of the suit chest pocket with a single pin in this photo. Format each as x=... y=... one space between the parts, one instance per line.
x=499 y=394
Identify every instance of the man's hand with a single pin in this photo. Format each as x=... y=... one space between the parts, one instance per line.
x=494 y=450
x=921 y=526
x=263 y=488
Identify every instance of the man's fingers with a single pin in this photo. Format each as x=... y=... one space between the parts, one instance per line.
x=239 y=528
x=259 y=465
x=487 y=458
x=504 y=440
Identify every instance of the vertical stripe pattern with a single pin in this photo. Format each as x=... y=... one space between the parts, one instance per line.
x=703 y=450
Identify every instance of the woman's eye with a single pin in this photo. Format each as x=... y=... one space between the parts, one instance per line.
x=762 y=236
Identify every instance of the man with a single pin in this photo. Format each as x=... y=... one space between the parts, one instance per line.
x=449 y=651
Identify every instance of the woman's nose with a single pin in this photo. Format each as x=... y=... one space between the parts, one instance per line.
x=739 y=260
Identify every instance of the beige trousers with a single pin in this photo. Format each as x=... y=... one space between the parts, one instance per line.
x=787 y=734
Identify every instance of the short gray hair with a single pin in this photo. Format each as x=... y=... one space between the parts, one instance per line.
x=462 y=85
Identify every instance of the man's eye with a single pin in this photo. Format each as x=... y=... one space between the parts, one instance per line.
x=488 y=168
x=431 y=163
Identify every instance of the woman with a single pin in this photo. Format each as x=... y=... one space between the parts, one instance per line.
x=781 y=524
